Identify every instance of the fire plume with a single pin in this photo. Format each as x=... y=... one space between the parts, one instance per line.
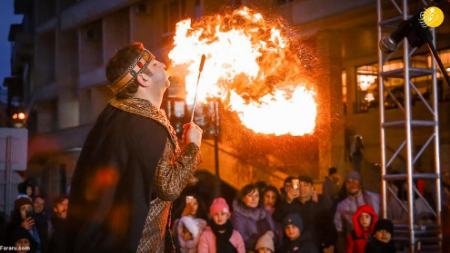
x=252 y=65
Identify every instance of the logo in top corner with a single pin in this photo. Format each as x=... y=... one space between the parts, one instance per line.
x=432 y=17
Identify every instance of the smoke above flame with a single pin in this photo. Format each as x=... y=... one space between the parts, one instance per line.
x=252 y=65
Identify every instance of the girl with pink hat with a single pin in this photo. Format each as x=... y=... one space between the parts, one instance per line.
x=220 y=236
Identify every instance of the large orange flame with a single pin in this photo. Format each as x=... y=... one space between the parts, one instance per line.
x=251 y=65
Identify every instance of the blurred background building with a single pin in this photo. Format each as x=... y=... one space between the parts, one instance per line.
x=62 y=46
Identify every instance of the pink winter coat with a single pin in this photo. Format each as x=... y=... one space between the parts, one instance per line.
x=207 y=242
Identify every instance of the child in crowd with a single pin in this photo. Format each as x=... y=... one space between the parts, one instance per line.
x=265 y=243
x=23 y=242
x=364 y=221
x=188 y=231
x=191 y=206
x=295 y=240
x=381 y=240
x=220 y=236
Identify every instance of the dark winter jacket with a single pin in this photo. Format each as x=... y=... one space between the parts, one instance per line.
x=301 y=245
x=286 y=208
x=58 y=239
x=375 y=246
x=318 y=221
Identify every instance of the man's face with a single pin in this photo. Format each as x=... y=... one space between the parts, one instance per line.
x=306 y=190
x=61 y=209
x=221 y=217
x=291 y=192
x=353 y=186
x=251 y=199
x=158 y=76
x=383 y=236
x=38 y=205
x=292 y=232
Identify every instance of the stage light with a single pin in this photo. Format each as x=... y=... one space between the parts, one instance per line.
x=418 y=33
x=412 y=29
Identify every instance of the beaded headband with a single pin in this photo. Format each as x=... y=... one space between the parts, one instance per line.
x=132 y=72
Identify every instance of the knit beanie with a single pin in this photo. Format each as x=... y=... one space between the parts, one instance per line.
x=266 y=241
x=384 y=224
x=353 y=175
x=218 y=205
x=293 y=219
x=22 y=201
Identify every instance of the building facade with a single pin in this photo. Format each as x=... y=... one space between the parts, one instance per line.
x=67 y=44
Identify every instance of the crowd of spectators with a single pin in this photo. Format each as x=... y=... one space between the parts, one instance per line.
x=295 y=218
x=260 y=218
x=33 y=225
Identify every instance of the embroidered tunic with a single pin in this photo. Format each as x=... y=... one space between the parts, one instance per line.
x=129 y=171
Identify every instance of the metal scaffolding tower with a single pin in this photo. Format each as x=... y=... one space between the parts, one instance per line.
x=415 y=236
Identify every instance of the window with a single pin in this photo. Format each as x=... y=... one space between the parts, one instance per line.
x=344 y=90
x=366 y=82
x=367 y=93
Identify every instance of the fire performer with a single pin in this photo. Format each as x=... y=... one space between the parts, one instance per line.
x=131 y=167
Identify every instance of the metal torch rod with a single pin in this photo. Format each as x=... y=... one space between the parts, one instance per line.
x=200 y=69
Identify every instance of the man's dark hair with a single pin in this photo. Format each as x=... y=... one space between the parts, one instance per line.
x=38 y=196
x=288 y=180
x=120 y=63
x=306 y=179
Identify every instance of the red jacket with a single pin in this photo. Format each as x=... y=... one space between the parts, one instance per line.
x=357 y=239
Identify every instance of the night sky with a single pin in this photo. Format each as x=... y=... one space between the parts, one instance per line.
x=6 y=18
